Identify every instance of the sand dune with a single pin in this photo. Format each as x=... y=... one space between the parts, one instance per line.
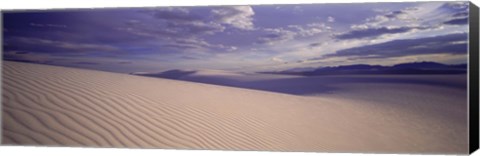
x=58 y=106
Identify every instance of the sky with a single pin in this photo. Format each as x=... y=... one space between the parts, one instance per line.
x=239 y=38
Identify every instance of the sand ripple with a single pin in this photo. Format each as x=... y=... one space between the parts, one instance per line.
x=57 y=106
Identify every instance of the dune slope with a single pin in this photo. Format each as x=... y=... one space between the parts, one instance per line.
x=58 y=106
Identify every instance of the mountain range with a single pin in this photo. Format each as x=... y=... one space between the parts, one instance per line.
x=404 y=68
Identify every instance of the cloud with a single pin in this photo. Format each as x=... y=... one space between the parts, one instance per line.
x=405 y=15
x=125 y=62
x=176 y=14
x=275 y=35
x=54 y=46
x=446 y=44
x=315 y=44
x=458 y=18
x=406 y=20
x=176 y=21
x=458 y=12
x=386 y=22
x=330 y=19
x=19 y=52
x=359 y=26
x=276 y=59
x=297 y=9
x=210 y=33
x=455 y=6
x=194 y=27
x=189 y=58
x=377 y=20
x=310 y=29
x=461 y=14
x=196 y=44
x=399 y=14
x=183 y=29
x=457 y=21
x=364 y=32
x=48 y=25
x=240 y=17
x=31 y=57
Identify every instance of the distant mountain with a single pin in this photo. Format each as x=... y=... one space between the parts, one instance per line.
x=404 y=68
x=421 y=65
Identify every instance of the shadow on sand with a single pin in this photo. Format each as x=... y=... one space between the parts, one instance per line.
x=314 y=84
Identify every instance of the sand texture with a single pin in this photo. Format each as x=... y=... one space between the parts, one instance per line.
x=58 y=106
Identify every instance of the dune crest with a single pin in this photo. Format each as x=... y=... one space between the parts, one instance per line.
x=58 y=106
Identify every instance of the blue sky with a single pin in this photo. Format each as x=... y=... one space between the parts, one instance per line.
x=240 y=38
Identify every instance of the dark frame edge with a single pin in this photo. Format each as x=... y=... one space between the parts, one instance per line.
x=473 y=78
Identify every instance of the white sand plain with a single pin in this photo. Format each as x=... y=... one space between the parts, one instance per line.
x=58 y=106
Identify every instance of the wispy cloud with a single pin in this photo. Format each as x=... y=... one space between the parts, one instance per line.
x=240 y=17
x=372 y=32
x=48 y=25
x=451 y=44
x=232 y=36
x=55 y=46
x=272 y=36
x=330 y=19
x=276 y=35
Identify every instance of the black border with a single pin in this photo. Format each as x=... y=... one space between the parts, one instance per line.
x=473 y=78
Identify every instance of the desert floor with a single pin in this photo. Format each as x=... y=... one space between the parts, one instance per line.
x=58 y=106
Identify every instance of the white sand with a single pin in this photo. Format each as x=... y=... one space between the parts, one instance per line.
x=58 y=106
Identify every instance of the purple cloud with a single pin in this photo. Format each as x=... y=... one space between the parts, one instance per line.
x=372 y=32
x=449 y=44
